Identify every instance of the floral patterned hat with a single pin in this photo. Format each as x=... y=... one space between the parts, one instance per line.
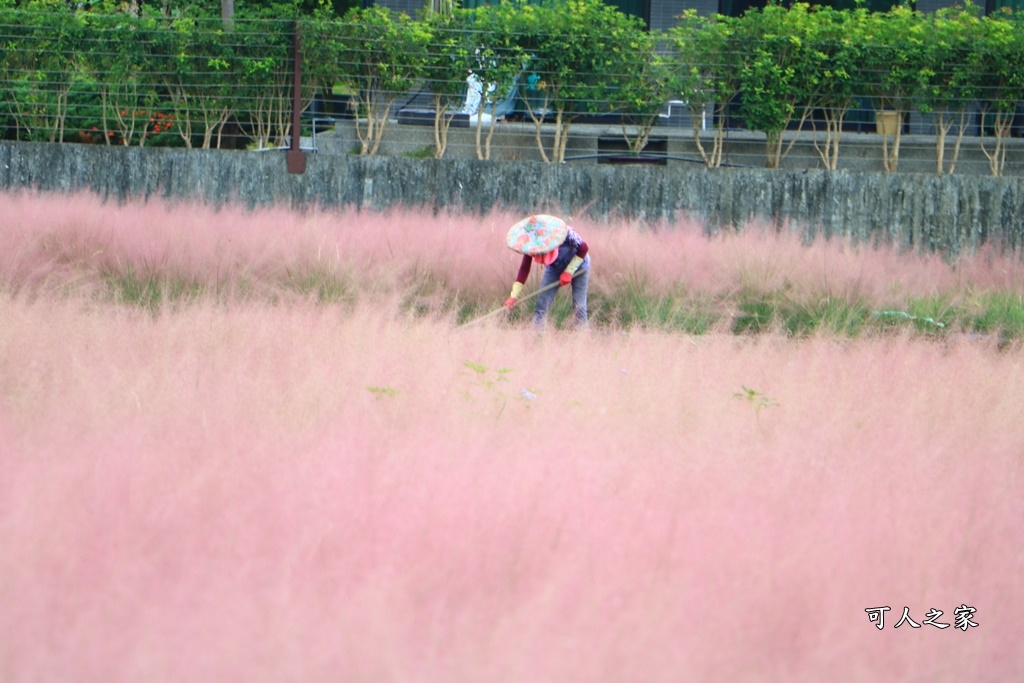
x=537 y=234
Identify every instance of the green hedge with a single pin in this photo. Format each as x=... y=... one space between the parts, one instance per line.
x=187 y=80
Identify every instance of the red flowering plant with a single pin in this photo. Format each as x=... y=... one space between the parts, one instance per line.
x=123 y=69
x=163 y=129
x=141 y=127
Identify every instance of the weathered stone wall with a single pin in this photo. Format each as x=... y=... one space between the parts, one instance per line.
x=917 y=211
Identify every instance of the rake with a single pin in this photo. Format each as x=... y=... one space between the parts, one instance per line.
x=525 y=298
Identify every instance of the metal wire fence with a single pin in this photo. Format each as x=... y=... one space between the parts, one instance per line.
x=119 y=80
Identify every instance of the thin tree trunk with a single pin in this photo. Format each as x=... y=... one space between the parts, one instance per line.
x=959 y=139
x=537 y=123
x=829 y=154
x=442 y=123
x=997 y=157
x=891 y=155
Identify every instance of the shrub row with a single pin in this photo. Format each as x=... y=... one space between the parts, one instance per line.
x=72 y=75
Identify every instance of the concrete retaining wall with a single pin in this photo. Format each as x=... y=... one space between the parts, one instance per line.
x=915 y=211
x=514 y=141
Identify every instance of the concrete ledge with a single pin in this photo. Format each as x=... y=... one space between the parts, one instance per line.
x=517 y=142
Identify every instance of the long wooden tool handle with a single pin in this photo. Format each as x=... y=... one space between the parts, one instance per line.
x=525 y=298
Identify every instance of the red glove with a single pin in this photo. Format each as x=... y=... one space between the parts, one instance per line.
x=510 y=302
x=565 y=278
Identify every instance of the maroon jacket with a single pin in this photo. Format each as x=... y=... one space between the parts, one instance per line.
x=572 y=246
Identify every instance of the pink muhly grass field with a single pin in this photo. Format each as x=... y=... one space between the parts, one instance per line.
x=62 y=242
x=246 y=490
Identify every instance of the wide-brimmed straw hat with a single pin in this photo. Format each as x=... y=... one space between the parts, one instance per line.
x=537 y=234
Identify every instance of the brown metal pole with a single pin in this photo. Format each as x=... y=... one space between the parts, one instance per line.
x=296 y=157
